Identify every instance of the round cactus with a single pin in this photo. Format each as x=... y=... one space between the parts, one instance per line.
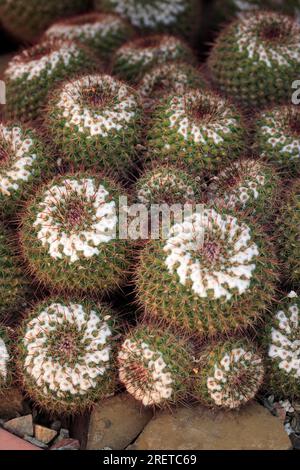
x=155 y=366
x=69 y=235
x=256 y=59
x=133 y=59
x=250 y=186
x=278 y=137
x=24 y=161
x=228 y=8
x=171 y=78
x=4 y=360
x=65 y=354
x=213 y=274
x=166 y=184
x=177 y=16
x=95 y=121
x=102 y=33
x=30 y=75
x=27 y=19
x=198 y=130
x=282 y=340
x=14 y=287
x=229 y=374
x=288 y=234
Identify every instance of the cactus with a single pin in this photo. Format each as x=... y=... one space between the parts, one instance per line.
x=155 y=366
x=69 y=235
x=132 y=60
x=166 y=184
x=177 y=16
x=14 y=286
x=229 y=374
x=256 y=59
x=102 y=33
x=24 y=161
x=5 y=373
x=250 y=186
x=27 y=19
x=278 y=137
x=65 y=354
x=281 y=341
x=288 y=234
x=31 y=74
x=96 y=121
x=213 y=274
x=171 y=78
x=228 y=8
x=198 y=130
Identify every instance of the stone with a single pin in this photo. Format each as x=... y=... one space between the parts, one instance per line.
x=116 y=422
x=66 y=444
x=10 y=442
x=198 y=428
x=63 y=434
x=43 y=434
x=56 y=425
x=11 y=404
x=35 y=442
x=22 y=426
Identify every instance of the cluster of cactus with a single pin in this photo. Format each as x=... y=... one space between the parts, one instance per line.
x=66 y=352
x=28 y=19
x=136 y=57
x=69 y=234
x=95 y=120
x=102 y=33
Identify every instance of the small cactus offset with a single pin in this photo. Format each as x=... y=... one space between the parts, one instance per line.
x=229 y=374
x=24 y=161
x=282 y=341
x=198 y=130
x=213 y=274
x=69 y=235
x=166 y=184
x=177 y=16
x=65 y=354
x=100 y=32
x=96 y=121
x=256 y=59
x=14 y=286
x=278 y=137
x=5 y=373
x=288 y=234
x=250 y=186
x=155 y=366
x=27 y=19
x=132 y=60
x=31 y=74
x=171 y=78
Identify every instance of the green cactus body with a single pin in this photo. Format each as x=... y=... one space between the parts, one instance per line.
x=175 y=16
x=166 y=184
x=65 y=354
x=27 y=19
x=95 y=121
x=132 y=60
x=197 y=130
x=229 y=374
x=249 y=186
x=288 y=234
x=100 y=32
x=155 y=366
x=34 y=72
x=212 y=274
x=172 y=78
x=5 y=373
x=24 y=162
x=278 y=137
x=282 y=341
x=14 y=287
x=256 y=59
x=69 y=235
